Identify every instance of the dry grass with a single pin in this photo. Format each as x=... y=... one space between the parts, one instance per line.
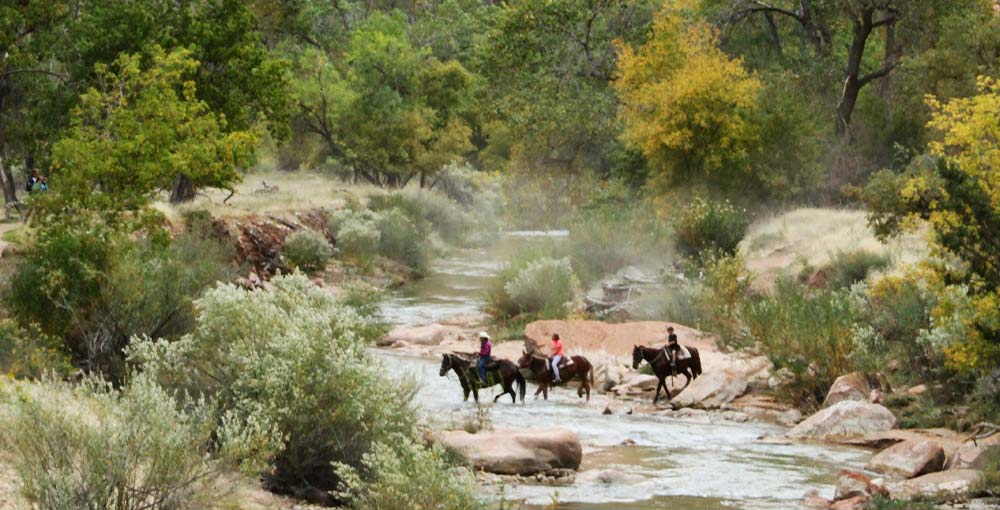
x=785 y=243
x=285 y=191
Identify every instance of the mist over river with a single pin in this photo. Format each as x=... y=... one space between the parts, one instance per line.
x=681 y=464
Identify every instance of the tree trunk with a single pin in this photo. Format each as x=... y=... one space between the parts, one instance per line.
x=183 y=190
x=773 y=31
x=7 y=179
x=853 y=83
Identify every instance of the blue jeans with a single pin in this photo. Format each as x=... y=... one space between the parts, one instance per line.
x=481 y=366
x=555 y=366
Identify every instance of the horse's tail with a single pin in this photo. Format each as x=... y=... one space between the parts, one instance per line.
x=695 y=362
x=591 y=370
x=521 y=384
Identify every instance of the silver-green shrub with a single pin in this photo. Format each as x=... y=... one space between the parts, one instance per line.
x=91 y=446
x=544 y=286
x=405 y=475
x=295 y=386
x=357 y=235
x=307 y=250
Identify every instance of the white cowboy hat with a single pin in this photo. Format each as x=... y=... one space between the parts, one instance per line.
x=483 y=334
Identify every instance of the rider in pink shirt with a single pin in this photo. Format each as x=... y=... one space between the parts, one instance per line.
x=557 y=356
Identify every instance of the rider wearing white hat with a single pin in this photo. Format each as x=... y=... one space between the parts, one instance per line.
x=485 y=355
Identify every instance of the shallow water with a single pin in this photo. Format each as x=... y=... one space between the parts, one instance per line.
x=677 y=464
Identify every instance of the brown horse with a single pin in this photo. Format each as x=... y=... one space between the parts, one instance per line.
x=658 y=358
x=501 y=371
x=539 y=369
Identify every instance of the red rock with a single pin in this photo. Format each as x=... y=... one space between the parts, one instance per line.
x=909 y=459
x=853 y=386
x=855 y=503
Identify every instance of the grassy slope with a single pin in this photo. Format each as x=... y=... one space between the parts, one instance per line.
x=785 y=243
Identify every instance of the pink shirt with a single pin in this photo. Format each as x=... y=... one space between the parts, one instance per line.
x=557 y=348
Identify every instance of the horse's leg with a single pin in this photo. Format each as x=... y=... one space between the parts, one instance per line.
x=687 y=375
x=537 y=391
x=656 y=397
x=475 y=393
x=465 y=390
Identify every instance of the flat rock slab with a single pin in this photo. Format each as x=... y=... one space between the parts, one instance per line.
x=954 y=482
x=842 y=420
x=430 y=334
x=909 y=459
x=514 y=451
x=713 y=390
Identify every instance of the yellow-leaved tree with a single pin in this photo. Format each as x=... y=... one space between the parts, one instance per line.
x=687 y=105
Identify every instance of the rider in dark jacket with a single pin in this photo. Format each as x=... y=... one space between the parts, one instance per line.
x=673 y=348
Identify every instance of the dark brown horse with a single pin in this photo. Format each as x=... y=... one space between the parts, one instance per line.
x=537 y=366
x=658 y=358
x=501 y=371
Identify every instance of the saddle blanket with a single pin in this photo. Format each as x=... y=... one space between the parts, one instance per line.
x=564 y=362
x=684 y=353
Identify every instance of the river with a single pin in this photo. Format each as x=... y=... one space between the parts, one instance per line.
x=681 y=464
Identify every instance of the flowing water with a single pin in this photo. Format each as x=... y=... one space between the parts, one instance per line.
x=681 y=464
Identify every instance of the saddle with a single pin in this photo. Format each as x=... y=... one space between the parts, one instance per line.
x=564 y=362
x=683 y=353
x=492 y=365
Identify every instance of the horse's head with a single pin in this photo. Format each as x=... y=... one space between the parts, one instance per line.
x=636 y=357
x=525 y=360
x=445 y=364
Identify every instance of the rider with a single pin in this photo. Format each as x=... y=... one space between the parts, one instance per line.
x=485 y=357
x=557 y=356
x=673 y=348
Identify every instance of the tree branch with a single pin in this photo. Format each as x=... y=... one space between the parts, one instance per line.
x=12 y=72
x=886 y=69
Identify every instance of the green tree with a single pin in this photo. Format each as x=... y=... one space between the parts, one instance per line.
x=387 y=111
x=132 y=137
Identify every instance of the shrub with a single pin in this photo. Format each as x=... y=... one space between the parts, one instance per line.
x=292 y=379
x=708 y=227
x=307 y=250
x=366 y=301
x=357 y=236
x=91 y=446
x=406 y=475
x=30 y=352
x=430 y=212
x=989 y=477
x=544 y=287
x=849 y=267
x=809 y=335
x=95 y=286
x=400 y=240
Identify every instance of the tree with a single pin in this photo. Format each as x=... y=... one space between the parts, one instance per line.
x=548 y=69
x=390 y=111
x=956 y=191
x=132 y=137
x=686 y=104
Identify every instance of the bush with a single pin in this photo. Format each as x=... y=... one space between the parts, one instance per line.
x=366 y=301
x=91 y=446
x=96 y=286
x=544 y=287
x=405 y=476
x=809 y=335
x=356 y=234
x=292 y=378
x=307 y=250
x=989 y=478
x=30 y=352
x=400 y=240
x=849 y=267
x=430 y=212
x=705 y=227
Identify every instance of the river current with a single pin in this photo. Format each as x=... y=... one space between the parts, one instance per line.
x=682 y=464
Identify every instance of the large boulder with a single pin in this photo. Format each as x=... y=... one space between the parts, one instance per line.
x=852 y=484
x=430 y=334
x=853 y=386
x=713 y=390
x=636 y=384
x=968 y=457
x=514 y=452
x=953 y=482
x=909 y=459
x=843 y=420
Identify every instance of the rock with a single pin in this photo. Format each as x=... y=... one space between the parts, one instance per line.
x=853 y=386
x=852 y=484
x=713 y=390
x=616 y=407
x=470 y=321
x=917 y=390
x=606 y=477
x=638 y=383
x=514 y=452
x=968 y=457
x=909 y=459
x=813 y=501
x=844 y=419
x=431 y=334
x=855 y=503
x=954 y=482
x=735 y=416
x=876 y=397
x=893 y=366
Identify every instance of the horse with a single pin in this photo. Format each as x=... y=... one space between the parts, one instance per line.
x=540 y=371
x=658 y=359
x=502 y=372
